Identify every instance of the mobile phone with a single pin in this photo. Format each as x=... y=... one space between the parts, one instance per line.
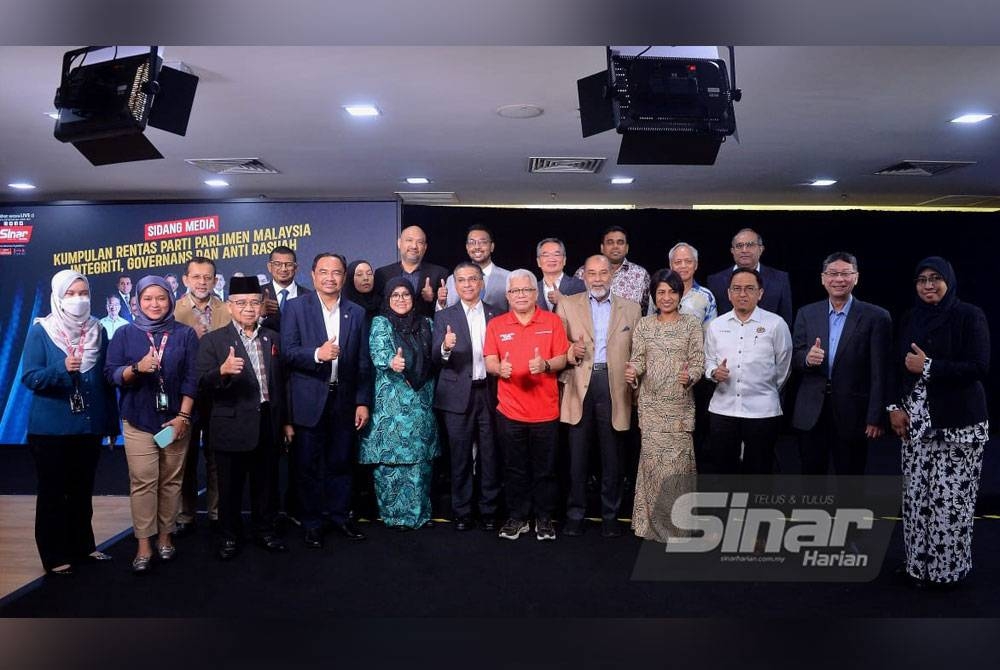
x=164 y=437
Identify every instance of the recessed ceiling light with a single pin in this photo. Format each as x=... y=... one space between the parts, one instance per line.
x=418 y=180
x=22 y=185
x=622 y=180
x=52 y=115
x=823 y=182
x=217 y=183
x=971 y=118
x=362 y=110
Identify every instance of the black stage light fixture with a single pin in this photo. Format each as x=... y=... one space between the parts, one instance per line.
x=669 y=110
x=105 y=106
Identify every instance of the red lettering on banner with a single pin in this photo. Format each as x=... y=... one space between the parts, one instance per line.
x=14 y=235
x=181 y=228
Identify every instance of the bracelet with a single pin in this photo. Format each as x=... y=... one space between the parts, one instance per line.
x=135 y=369
x=186 y=418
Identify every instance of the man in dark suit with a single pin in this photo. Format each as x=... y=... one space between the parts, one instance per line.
x=841 y=347
x=324 y=342
x=125 y=295
x=555 y=283
x=428 y=280
x=239 y=368
x=747 y=247
x=467 y=399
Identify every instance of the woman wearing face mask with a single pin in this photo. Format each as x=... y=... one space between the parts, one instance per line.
x=152 y=360
x=942 y=360
x=72 y=409
x=359 y=287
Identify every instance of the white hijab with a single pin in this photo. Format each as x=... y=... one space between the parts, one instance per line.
x=60 y=326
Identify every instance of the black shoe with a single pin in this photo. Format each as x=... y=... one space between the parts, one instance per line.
x=463 y=523
x=313 y=538
x=428 y=524
x=349 y=530
x=488 y=522
x=184 y=528
x=573 y=527
x=272 y=544
x=611 y=528
x=228 y=550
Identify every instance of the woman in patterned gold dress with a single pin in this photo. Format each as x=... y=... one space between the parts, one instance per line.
x=668 y=357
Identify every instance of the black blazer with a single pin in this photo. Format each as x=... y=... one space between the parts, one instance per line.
x=454 y=388
x=569 y=285
x=777 y=291
x=960 y=362
x=860 y=367
x=234 y=417
x=436 y=273
x=274 y=321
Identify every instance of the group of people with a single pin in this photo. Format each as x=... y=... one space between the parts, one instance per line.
x=389 y=366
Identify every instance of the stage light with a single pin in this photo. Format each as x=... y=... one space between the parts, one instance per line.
x=622 y=180
x=418 y=180
x=216 y=183
x=362 y=110
x=21 y=186
x=971 y=118
x=823 y=182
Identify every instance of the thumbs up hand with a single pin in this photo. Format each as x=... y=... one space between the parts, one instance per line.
x=815 y=355
x=148 y=362
x=450 y=339
x=579 y=349
x=721 y=373
x=915 y=359
x=442 y=293
x=73 y=363
x=329 y=351
x=398 y=363
x=506 y=367
x=537 y=364
x=684 y=376
x=233 y=365
x=427 y=293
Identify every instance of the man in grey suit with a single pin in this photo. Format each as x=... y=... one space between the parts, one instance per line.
x=841 y=346
x=479 y=245
x=747 y=247
x=467 y=398
x=555 y=283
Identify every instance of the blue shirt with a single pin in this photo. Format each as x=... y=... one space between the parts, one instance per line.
x=837 y=320
x=600 y=313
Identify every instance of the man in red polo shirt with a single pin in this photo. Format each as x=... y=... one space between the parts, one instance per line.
x=526 y=348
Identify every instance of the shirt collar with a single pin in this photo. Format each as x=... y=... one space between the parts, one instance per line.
x=239 y=329
x=846 y=309
x=478 y=307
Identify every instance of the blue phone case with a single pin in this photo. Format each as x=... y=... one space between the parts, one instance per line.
x=164 y=437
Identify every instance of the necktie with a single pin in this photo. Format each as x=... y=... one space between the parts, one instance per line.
x=282 y=294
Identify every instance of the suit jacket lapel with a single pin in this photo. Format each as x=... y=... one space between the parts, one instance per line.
x=850 y=326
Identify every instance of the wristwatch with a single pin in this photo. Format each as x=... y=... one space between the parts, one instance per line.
x=547 y=366
x=135 y=369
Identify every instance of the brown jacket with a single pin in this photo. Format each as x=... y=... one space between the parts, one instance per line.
x=185 y=314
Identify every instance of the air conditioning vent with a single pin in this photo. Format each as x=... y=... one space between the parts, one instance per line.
x=922 y=168
x=428 y=197
x=232 y=165
x=544 y=164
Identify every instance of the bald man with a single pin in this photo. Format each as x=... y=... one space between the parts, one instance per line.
x=428 y=280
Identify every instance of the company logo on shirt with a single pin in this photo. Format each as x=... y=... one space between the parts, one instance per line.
x=506 y=337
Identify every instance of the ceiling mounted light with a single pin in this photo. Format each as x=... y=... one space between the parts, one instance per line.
x=418 y=180
x=52 y=115
x=971 y=118
x=823 y=182
x=362 y=110
x=216 y=183
x=22 y=186
x=622 y=180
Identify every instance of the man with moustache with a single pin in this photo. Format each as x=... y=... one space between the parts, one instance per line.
x=748 y=353
x=466 y=398
x=239 y=367
x=551 y=259
x=201 y=309
x=324 y=342
x=628 y=280
x=747 y=247
x=697 y=300
x=479 y=246
x=596 y=400
x=842 y=347
x=428 y=280
x=282 y=265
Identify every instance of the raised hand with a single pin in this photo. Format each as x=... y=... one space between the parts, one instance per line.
x=73 y=363
x=579 y=349
x=506 y=367
x=148 y=362
x=449 y=339
x=427 y=293
x=270 y=306
x=721 y=373
x=233 y=365
x=398 y=363
x=536 y=365
x=329 y=351
x=915 y=359
x=815 y=355
x=442 y=293
x=554 y=296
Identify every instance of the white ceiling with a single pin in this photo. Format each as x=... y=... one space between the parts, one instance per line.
x=807 y=112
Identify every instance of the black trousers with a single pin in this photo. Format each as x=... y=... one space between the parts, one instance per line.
x=596 y=419
x=260 y=466
x=189 y=483
x=758 y=437
x=324 y=454
x=826 y=439
x=529 y=466
x=476 y=427
x=65 y=465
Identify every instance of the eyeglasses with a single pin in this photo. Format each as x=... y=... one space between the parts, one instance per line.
x=284 y=265
x=468 y=280
x=740 y=246
x=478 y=243
x=243 y=304
x=521 y=291
x=840 y=275
x=400 y=296
x=927 y=280
x=551 y=254
x=743 y=289
x=201 y=277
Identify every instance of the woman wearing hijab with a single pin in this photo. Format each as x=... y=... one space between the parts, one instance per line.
x=401 y=440
x=72 y=409
x=943 y=357
x=152 y=360
x=359 y=287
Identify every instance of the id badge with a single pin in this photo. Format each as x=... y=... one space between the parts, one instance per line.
x=162 y=402
x=76 y=404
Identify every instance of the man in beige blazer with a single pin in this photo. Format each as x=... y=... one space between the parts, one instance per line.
x=596 y=401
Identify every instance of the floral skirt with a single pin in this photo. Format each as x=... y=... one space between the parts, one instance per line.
x=404 y=493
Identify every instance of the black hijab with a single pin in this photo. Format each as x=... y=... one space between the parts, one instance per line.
x=926 y=317
x=367 y=301
x=412 y=333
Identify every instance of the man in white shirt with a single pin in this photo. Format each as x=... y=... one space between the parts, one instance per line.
x=282 y=265
x=551 y=253
x=748 y=354
x=479 y=245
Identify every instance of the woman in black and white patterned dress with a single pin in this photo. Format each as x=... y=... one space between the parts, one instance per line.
x=943 y=357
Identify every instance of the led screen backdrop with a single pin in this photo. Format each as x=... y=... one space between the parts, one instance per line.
x=105 y=240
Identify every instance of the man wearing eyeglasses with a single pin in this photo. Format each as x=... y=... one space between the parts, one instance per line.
x=239 y=367
x=747 y=247
x=554 y=284
x=281 y=265
x=748 y=353
x=479 y=246
x=842 y=347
